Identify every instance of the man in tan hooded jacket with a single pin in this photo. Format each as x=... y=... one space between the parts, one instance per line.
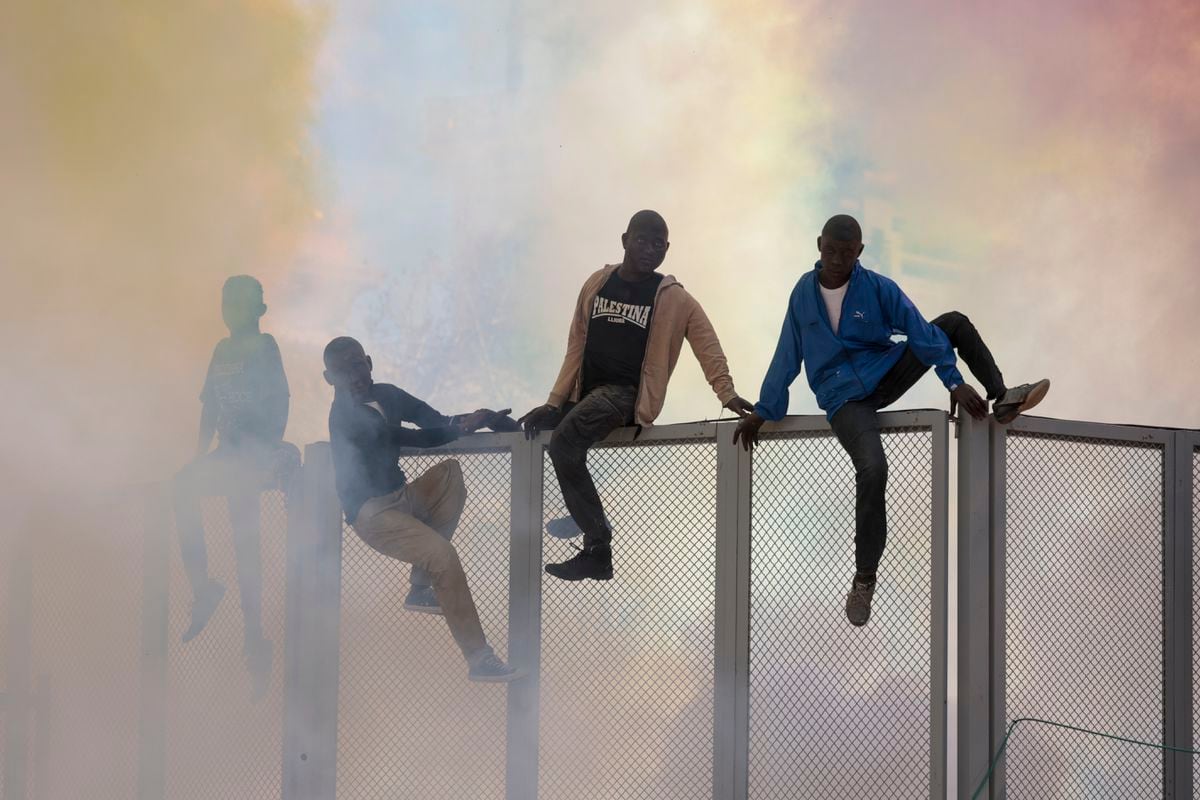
x=625 y=338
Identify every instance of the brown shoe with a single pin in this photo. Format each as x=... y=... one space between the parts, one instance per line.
x=858 y=602
x=1019 y=399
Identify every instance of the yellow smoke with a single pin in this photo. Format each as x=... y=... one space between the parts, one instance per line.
x=149 y=150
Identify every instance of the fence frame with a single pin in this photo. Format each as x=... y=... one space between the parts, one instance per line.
x=731 y=735
x=17 y=692
x=983 y=579
x=937 y=422
x=312 y=624
x=314 y=581
x=1179 y=612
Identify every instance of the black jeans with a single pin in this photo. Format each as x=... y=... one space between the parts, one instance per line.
x=594 y=417
x=240 y=474
x=856 y=425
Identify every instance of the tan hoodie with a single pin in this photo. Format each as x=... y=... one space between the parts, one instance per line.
x=676 y=316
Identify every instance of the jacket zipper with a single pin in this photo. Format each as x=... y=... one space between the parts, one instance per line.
x=845 y=352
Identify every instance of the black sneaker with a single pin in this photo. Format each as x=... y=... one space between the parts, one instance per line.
x=858 y=602
x=422 y=600
x=1018 y=399
x=260 y=654
x=593 y=562
x=203 y=605
x=490 y=669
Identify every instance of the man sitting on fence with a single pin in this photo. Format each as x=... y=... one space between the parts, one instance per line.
x=245 y=403
x=409 y=521
x=625 y=337
x=840 y=318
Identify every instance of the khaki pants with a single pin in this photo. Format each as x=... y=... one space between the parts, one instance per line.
x=414 y=525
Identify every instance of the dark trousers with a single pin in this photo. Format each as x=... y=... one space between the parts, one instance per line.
x=240 y=474
x=856 y=425
x=594 y=417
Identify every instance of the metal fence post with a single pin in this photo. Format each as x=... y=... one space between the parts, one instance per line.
x=731 y=718
x=1177 y=620
x=975 y=634
x=524 y=620
x=43 y=734
x=17 y=657
x=998 y=532
x=939 y=606
x=152 y=714
x=312 y=631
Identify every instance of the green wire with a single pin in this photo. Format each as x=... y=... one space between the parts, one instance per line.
x=1004 y=744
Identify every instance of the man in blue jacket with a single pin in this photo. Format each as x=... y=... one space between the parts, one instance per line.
x=840 y=320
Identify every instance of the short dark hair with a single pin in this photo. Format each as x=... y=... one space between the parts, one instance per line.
x=338 y=346
x=647 y=220
x=843 y=228
x=242 y=286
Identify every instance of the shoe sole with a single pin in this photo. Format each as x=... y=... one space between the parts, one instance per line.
x=435 y=611
x=1035 y=396
x=516 y=675
x=604 y=577
x=185 y=638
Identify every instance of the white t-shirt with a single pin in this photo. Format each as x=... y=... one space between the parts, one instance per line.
x=833 y=303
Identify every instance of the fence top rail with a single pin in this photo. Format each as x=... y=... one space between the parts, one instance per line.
x=705 y=430
x=1091 y=430
x=888 y=420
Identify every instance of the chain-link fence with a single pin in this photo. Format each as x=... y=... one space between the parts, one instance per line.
x=1084 y=561
x=837 y=710
x=219 y=741
x=642 y=678
x=410 y=724
x=80 y=695
x=7 y=565
x=627 y=664
x=1195 y=678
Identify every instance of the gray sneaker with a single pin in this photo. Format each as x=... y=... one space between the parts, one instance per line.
x=1019 y=399
x=422 y=600
x=563 y=528
x=203 y=605
x=566 y=527
x=858 y=602
x=490 y=669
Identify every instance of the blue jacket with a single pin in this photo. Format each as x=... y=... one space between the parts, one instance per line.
x=849 y=365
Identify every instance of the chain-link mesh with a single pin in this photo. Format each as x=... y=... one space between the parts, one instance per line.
x=219 y=743
x=85 y=629
x=1084 y=596
x=1195 y=615
x=410 y=724
x=7 y=553
x=838 y=711
x=627 y=664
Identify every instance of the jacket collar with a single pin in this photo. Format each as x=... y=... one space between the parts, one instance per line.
x=854 y=273
x=609 y=269
x=814 y=305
